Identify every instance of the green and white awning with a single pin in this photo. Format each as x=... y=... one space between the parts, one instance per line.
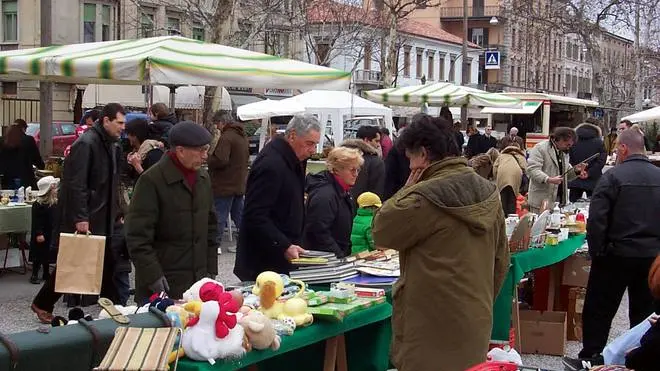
x=528 y=108
x=169 y=60
x=440 y=94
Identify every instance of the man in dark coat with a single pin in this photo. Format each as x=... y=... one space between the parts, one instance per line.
x=88 y=198
x=589 y=143
x=488 y=140
x=171 y=229
x=228 y=166
x=624 y=240
x=163 y=121
x=273 y=217
x=372 y=174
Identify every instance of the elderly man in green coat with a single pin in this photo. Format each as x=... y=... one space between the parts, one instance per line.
x=171 y=227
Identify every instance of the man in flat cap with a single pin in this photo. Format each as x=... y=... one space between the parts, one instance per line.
x=171 y=226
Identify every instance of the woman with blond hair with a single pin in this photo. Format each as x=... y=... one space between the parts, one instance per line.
x=330 y=209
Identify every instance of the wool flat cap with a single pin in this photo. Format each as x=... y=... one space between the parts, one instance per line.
x=189 y=134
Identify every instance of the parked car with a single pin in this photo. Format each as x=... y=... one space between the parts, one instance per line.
x=64 y=134
x=352 y=125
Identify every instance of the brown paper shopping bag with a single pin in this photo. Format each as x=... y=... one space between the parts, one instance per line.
x=80 y=264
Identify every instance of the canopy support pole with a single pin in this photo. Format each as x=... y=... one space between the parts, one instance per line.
x=264 y=128
x=172 y=96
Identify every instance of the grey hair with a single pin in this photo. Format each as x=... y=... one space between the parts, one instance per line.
x=303 y=124
x=223 y=116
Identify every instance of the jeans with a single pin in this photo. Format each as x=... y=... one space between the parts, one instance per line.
x=225 y=205
x=123 y=285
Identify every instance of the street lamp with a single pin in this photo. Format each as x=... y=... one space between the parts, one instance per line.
x=494 y=21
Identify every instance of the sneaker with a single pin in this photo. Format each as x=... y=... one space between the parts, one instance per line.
x=232 y=249
x=577 y=364
x=219 y=250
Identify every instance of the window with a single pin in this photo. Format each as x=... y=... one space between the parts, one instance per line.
x=406 y=62
x=106 y=12
x=452 y=69
x=431 y=64
x=419 y=60
x=173 y=26
x=519 y=77
x=569 y=50
x=198 y=32
x=367 y=57
x=513 y=72
x=322 y=53
x=441 y=74
x=68 y=129
x=89 y=23
x=9 y=88
x=10 y=21
x=478 y=36
x=147 y=25
x=554 y=50
x=513 y=39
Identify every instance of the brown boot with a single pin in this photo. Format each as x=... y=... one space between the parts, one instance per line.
x=42 y=315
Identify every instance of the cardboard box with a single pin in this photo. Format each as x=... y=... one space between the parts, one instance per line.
x=575 y=305
x=576 y=271
x=542 y=332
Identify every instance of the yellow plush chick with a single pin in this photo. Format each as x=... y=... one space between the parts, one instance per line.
x=269 y=276
x=268 y=294
x=296 y=308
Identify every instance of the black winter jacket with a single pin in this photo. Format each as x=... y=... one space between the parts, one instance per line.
x=372 y=175
x=589 y=143
x=624 y=211
x=161 y=128
x=329 y=218
x=646 y=357
x=16 y=163
x=274 y=211
x=43 y=219
x=397 y=171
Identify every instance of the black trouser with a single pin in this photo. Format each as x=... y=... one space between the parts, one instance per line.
x=609 y=278
x=508 y=197
x=47 y=297
x=575 y=194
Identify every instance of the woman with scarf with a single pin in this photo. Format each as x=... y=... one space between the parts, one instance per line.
x=330 y=210
x=146 y=151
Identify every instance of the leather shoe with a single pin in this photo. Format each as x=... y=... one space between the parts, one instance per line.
x=42 y=315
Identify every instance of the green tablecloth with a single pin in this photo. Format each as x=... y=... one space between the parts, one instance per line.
x=15 y=219
x=368 y=334
x=522 y=263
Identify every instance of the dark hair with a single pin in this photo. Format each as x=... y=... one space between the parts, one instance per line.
x=367 y=132
x=111 y=110
x=627 y=122
x=21 y=123
x=92 y=114
x=14 y=137
x=434 y=134
x=160 y=110
x=446 y=114
x=385 y=131
x=563 y=133
x=138 y=127
x=613 y=130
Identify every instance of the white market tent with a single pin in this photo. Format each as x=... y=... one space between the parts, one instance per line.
x=647 y=115
x=440 y=94
x=333 y=107
x=266 y=109
x=167 y=60
x=187 y=97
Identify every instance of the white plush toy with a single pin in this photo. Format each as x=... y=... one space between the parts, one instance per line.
x=192 y=294
x=201 y=343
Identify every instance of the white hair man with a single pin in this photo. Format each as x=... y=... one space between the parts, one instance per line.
x=273 y=217
x=510 y=139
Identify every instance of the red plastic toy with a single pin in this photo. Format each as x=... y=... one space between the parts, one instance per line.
x=494 y=366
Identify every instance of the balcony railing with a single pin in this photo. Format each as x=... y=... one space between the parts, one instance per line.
x=366 y=76
x=457 y=12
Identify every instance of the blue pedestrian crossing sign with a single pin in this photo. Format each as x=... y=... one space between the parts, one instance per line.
x=492 y=60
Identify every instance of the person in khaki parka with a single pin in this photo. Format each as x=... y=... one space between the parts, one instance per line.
x=448 y=226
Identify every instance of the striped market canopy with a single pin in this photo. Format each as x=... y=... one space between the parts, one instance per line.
x=440 y=94
x=168 y=60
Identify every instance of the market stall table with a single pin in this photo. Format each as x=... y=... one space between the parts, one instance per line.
x=521 y=263
x=367 y=336
x=14 y=220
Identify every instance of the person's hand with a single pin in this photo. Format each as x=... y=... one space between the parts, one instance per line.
x=653 y=319
x=159 y=286
x=134 y=160
x=414 y=177
x=293 y=252
x=555 y=179
x=583 y=174
x=82 y=227
x=41 y=238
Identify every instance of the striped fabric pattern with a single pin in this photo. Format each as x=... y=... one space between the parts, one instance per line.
x=440 y=94
x=166 y=60
x=139 y=349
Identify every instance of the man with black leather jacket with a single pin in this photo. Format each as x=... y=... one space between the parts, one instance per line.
x=624 y=240
x=89 y=198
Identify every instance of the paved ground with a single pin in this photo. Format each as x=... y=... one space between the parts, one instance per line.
x=16 y=294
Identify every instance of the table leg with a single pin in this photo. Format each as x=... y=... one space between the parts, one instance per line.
x=330 y=359
x=515 y=309
x=553 y=285
x=253 y=368
x=342 y=362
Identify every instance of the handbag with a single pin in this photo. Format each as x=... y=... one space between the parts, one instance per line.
x=80 y=264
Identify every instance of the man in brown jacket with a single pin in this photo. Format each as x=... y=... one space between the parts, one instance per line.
x=228 y=166
x=448 y=226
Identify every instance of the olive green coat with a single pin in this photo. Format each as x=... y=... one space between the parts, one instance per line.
x=171 y=230
x=361 y=236
x=450 y=234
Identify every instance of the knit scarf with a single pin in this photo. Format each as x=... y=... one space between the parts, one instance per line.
x=189 y=175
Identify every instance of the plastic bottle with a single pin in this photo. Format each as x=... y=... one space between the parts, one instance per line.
x=555 y=217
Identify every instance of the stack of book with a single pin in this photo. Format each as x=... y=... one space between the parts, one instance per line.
x=323 y=267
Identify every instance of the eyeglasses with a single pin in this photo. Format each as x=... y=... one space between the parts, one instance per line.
x=202 y=149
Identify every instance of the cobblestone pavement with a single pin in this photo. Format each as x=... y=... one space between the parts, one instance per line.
x=16 y=294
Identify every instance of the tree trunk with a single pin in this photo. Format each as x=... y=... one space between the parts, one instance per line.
x=391 y=52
